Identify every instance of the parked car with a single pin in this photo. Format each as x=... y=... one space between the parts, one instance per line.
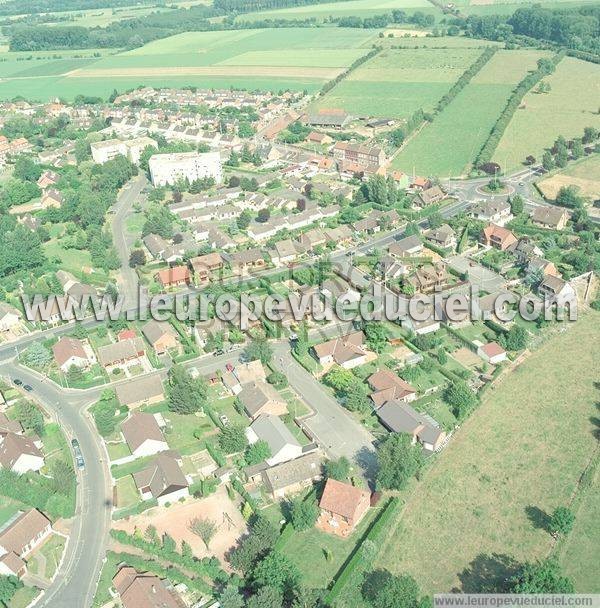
x=229 y=367
x=224 y=420
x=28 y=387
x=17 y=381
x=79 y=461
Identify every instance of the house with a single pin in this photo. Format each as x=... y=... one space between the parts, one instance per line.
x=556 y=290
x=312 y=238
x=203 y=266
x=69 y=352
x=552 y=218
x=10 y=317
x=494 y=212
x=347 y=351
x=406 y=247
x=399 y=417
x=359 y=154
x=19 y=537
x=318 y=138
x=525 y=249
x=156 y=245
x=163 y=479
x=429 y=196
x=342 y=235
x=342 y=507
x=168 y=169
x=429 y=277
x=51 y=198
x=143 y=434
x=121 y=353
x=162 y=336
x=9 y=426
x=492 y=353
x=243 y=262
x=293 y=476
x=498 y=237
x=334 y=118
x=126 y=334
x=144 y=590
x=336 y=288
x=393 y=268
x=261 y=398
x=284 y=446
x=443 y=237
x=252 y=371
x=47 y=179
x=144 y=390
x=387 y=386
x=285 y=251
x=20 y=454
x=176 y=276
x=545 y=267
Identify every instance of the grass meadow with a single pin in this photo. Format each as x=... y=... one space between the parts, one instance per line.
x=569 y=107
x=518 y=457
x=448 y=145
x=397 y=82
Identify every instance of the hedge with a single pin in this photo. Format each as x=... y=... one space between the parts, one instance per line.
x=136 y=509
x=236 y=484
x=487 y=150
x=329 y=85
x=356 y=560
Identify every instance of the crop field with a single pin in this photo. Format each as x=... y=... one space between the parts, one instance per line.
x=350 y=8
x=397 y=82
x=517 y=458
x=569 y=107
x=585 y=174
x=294 y=58
x=448 y=145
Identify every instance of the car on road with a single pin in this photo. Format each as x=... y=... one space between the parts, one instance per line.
x=224 y=420
x=28 y=387
x=229 y=367
x=218 y=353
x=17 y=381
x=78 y=455
x=521 y=183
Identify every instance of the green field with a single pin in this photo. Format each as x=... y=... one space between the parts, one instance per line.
x=569 y=107
x=294 y=58
x=397 y=82
x=448 y=145
x=354 y=8
x=518 y=457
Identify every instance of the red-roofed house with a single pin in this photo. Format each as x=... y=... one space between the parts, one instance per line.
x=342 y=507
x=126 y=334
x=174 y=277
x=498 y=237
x=492 y=352
x=69 y=352
x=387 y=386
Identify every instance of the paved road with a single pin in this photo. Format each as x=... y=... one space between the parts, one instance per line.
x=75 y=583
x=127 y=282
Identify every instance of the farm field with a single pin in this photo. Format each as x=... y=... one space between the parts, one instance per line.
x=517 y=458
x=294 y=58
x=397 y=82
x=566 y=110
x=448 y=145
x=585 y=174
x=353 y=8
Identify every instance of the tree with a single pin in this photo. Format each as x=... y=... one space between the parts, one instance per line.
x=151 y=535
x=9 y=585
x=304 y=514
x=257 y=452
x=548 y=161
x=376 y=336
x=277 y=571
x=516 y=204
x=277 y=379
x=460 y=398
x=137 y=258
x=37 y=355
x=259 y=349
x=435 y=220
x=562 y=521
x=186 y=395
x=243 y=220
x=541 y=577
x=266 y=597
x=590 y=134
x=232 y=439
x=262 y=538
x=397 y=461
x=515 y=338
x=339 y=379
x=577 y=149
x=168 y=543
x=30 y=417
x=384 y=590
x=63 y=476
x=204 y=528
x=568 y=196
x=231 y=597
x=337 y=469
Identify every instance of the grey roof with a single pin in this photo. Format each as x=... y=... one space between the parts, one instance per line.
x=154 y=330
x=139 y=389
x=141 y=427
x=272 y=430
x=406 y=244
x=255 y=395
x=400 y=417
x=163 y=476
x=292 y=472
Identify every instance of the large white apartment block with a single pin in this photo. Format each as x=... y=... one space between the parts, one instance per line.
x=103 y=151
x=169 y=168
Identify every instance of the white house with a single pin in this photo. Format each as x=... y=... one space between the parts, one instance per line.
x=163 y=479
x=71 y=352
x=284 y=446
x=492 y=353
x=20 y=454
x=170 y=168
x=10 y=317
x=143 y=434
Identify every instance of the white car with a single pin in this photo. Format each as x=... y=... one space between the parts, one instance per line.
x=224 y=420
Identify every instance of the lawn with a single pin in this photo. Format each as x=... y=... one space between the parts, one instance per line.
x=520 y=453
x=584 y=173
x=75 y=261
x=448 y=145
x=8 y=508
x=397 y=82
x=118 y=450
x=127 y=494
x=181 y=430
x=308 y=551
x=55 y=444
x=566 y=110
x=23 y=597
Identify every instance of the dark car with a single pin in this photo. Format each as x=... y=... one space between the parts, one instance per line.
x=28 y=387
x=74 y=443
x=17 y=382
